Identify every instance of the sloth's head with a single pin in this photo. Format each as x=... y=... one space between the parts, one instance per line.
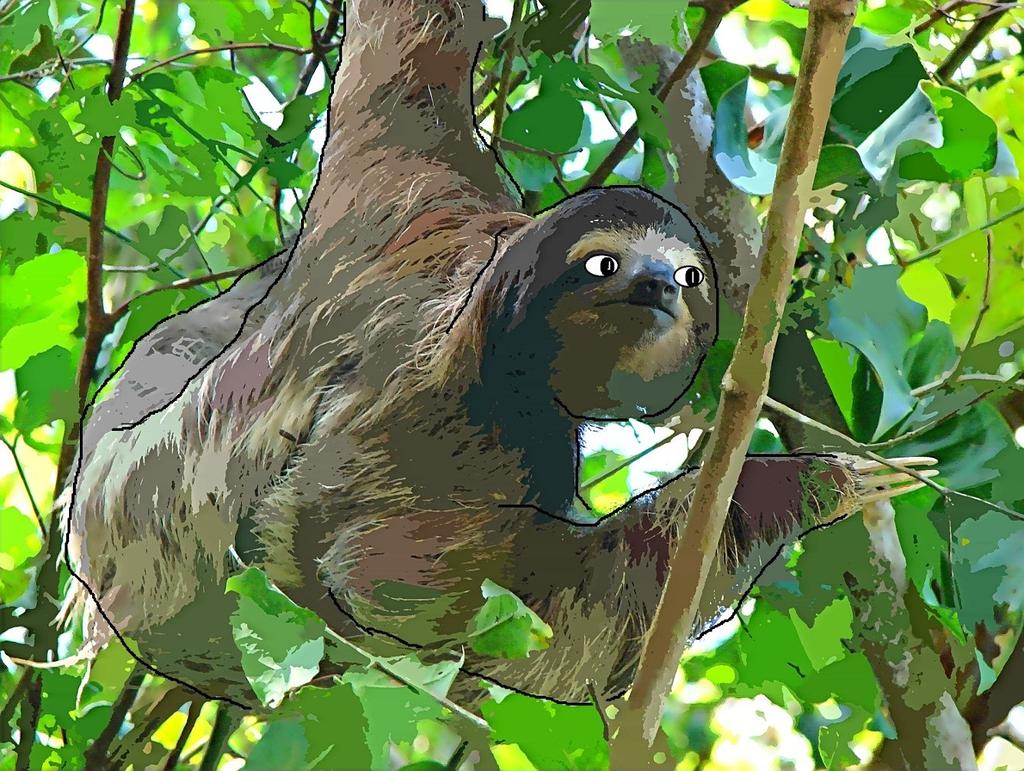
x=606 y=304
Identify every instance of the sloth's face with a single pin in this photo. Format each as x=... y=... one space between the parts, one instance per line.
x=609 y=304
x=635 y=314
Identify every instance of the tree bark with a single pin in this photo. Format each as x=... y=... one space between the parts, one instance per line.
x=890 y=625
x=745 y=382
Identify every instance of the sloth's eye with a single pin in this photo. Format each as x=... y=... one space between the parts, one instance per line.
x=689 y=276
x=602 y=265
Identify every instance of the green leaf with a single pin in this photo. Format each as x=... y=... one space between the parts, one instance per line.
x=883 y=337
x=720 y=76
x=47 y=390
x=391 y=711
x=552 y=120
x=839 y=163
x=315 y=728
x=653 y=20
x=19 y=538
x=21 y=28
x=552 y=736
x=608 y=494
x=875 y=79
x=936 y=135
x=836 y=740
x=532 y=172
x=753 y=171
x=989 y=567
x=39 y=306
x=968 y=140
x=101 y=117
x=505 y=627
x=282 y=644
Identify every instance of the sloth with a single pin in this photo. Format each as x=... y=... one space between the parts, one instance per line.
x=389 y=415
x=387 y=498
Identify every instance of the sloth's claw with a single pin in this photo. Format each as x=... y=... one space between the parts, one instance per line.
x=864 y=466
x=874 y=486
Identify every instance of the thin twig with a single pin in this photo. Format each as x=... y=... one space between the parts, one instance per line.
x=151 y=268
x=214 y=49
x=712 y=19
x=477 y=723
x=549 y=154
x=744 y=385
x=184 y=283
x=13 y=448
x=969 y=42
x=194 y=708
x=859 y=447
x=932 y=251
x=626 y=463
x=938 y=13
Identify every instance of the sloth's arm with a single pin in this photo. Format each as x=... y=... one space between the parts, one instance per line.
x=402 y=141
x=778 y=499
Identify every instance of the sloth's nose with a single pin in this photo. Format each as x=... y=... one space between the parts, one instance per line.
x=655 y=287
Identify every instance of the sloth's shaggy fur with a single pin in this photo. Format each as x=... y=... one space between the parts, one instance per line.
x=389 y=416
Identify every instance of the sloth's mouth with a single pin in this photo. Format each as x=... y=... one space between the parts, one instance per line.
x=654 y=306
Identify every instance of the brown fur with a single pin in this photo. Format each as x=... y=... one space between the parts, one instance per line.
x=337 y=438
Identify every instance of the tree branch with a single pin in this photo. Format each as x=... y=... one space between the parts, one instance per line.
x=501 y=99
x=745 y=381
x=96 y=755
x=319 y=44
x=185 y=283
x=713 y=17
x=861 y=448
x=891 y=626
x=990 y=709
x=214 y=49
x=985 y=23
x=96 y=328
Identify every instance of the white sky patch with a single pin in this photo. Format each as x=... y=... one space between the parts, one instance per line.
x=318 y=81
x=186 y=24
x=880 y=247
x=318 y=136
x=576 y=165
x=1018 y=436
x=733 y=40
x=633 y=437
x=47 y=87
x=601 y=129
x=264 y=103
x=100 y=46
x=499 y=9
